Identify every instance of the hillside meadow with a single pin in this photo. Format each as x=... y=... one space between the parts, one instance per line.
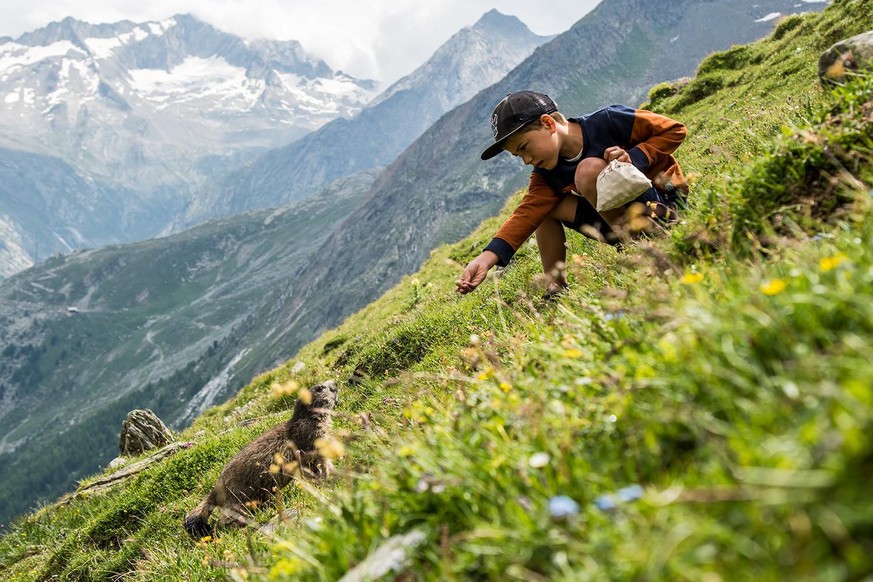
x=698 y=406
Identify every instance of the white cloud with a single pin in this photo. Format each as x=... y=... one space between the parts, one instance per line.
x=379 y=39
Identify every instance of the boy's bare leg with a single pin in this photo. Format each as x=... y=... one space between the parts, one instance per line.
x=551 y=242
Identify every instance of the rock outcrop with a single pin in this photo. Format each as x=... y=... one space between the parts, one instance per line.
x=142 y=431
x=845 y=58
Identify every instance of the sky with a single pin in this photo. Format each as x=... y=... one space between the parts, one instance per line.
x=374 y=39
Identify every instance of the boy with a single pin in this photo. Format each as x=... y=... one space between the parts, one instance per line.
x=567 y=156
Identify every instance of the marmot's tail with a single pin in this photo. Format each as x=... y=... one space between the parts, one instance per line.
x=197 y=520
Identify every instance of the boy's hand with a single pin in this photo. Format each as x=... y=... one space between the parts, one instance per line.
x=616 y=153
x=475 y=273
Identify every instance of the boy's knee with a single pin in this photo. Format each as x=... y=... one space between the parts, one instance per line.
x=586 y=177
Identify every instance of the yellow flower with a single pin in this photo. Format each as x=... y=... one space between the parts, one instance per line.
x=330 y=448
x=505 y=387
x=486 y=374
x=285 y=568
x=692 y=278
x=572 y=353
x=286 y=389
x=829 y=263
x=773 y=287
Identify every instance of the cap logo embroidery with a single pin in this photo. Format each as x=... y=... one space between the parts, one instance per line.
x=494 y=120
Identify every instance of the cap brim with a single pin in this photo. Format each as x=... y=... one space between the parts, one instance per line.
x=497 y=146
x=493 y=149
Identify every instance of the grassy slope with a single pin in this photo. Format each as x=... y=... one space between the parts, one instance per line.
x=725 y=368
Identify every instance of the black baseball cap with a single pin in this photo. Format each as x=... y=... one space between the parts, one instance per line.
x=514 y=112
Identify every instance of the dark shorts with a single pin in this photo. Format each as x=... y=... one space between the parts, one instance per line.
x=588 y=221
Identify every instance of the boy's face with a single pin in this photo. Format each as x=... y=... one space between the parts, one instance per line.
x=538 y=147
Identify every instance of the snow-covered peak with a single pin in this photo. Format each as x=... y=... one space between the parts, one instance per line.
x=161 y=94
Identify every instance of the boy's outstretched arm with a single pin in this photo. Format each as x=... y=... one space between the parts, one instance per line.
x=476 y=271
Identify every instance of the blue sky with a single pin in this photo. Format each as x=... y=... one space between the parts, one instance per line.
x=377 y=39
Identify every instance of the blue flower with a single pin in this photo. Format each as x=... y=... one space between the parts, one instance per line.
x=605 y=503
x=562 y=507
x=627 y=494
x=630 y=493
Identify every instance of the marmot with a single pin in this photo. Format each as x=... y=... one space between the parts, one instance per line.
x=247 y=480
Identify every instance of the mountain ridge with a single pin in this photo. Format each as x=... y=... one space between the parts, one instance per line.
x=472 y=58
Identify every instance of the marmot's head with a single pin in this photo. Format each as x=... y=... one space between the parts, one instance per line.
x=324 y=395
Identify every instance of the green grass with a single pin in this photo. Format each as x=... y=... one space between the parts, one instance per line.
x=724 y=368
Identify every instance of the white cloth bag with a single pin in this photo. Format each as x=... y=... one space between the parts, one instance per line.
x=619 y=183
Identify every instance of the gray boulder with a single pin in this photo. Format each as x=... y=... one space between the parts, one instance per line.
x=142 y=431
x=846 y=58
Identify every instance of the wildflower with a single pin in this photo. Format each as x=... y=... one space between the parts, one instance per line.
x=572 y=353
x=630 y=493
x=539 y=460
x=605 y=503
x=692 y=278
x=562 y=507
x=773 y=287
x=284 y=568
x=286 y=389
x=505 y=387
x=330 y=448
x=829 y=263
x=627 y=494
x=486 y=374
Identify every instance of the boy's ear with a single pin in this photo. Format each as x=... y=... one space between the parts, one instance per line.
x=548 y=121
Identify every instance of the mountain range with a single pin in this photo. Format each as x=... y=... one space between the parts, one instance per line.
x=154 y=115
x=473 y=58
x=144 y=332
x=143 y=113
